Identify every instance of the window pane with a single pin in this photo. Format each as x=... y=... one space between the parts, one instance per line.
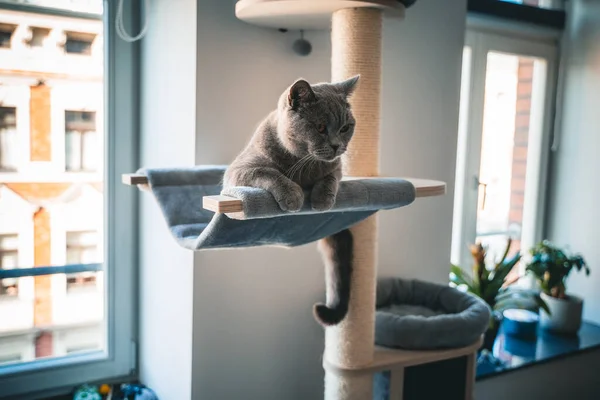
x=8 y=139
x=79 y=43
x=81 y=141
x=73 y=151
x=6 y=32
x=508 y=122
x=9 y=259
x=49 y=215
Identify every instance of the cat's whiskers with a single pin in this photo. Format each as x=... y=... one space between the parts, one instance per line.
x=308 y=164
x=301 y=167
x=298 y=165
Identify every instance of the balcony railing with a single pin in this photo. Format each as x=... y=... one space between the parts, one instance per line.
x=51 y=270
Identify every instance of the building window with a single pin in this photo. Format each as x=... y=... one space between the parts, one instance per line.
x=38 y=37
x=79 y=43
x=6 y=32
x=82 y=248
x=81 y=152
x=8 y=139
x=9 y=259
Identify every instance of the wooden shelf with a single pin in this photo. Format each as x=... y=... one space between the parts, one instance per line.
x=226 y=204
x=305 y=14
x=388 y=359
x=427 y=187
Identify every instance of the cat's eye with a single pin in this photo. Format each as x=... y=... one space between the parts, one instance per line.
x=321 y=128
x=345 y=128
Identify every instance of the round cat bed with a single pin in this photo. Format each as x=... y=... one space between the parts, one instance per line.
x=417 y=315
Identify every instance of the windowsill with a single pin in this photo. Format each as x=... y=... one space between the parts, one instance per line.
x=512 y=354
x=53 y=362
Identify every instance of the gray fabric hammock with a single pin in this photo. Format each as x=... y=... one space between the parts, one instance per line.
x=179 y=193
x=417 y=315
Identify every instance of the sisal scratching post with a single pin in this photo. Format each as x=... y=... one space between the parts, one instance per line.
x=356 y=49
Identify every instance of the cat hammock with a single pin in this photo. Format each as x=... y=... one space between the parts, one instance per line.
x=248 y=217
x=257 y=219
x=351 y=357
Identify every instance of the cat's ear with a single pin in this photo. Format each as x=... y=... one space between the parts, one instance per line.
x=300 y=92
x=348 y=86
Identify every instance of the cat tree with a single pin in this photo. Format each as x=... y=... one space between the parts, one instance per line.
x=356 y=39
x=350 y=358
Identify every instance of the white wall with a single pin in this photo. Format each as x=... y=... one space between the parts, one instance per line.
x=575 y=186
x=168 y=114
x=254 y=335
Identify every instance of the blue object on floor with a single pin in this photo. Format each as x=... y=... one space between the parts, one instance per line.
x=87 y=392
x=179 y=193
x=137 y=392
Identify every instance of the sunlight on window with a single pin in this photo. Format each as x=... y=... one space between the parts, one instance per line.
x=506 y=138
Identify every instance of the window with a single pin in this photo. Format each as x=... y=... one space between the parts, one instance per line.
x=80 y=141
x=9 y=259
x=38 y=37
x=68 y=337
x=79 y=43
x=82 y=248
x=8 y=139
x=6 y=32
x=503 y=143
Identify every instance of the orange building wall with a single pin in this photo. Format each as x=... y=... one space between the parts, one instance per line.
x=40 y=122
x=519 y=164
x=42 y=315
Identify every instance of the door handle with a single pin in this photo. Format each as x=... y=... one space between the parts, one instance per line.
x=479 y=184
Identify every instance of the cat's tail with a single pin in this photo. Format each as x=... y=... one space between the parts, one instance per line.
x=337 y=253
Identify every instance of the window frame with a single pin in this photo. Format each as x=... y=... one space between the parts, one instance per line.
x=6 y=130
x=3 y=252
x=83 y=133
x=509 y=38
x=119 y=360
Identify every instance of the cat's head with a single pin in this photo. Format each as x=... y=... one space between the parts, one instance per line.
x=317 y=119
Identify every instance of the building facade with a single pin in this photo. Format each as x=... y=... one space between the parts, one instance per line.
x=51 y=182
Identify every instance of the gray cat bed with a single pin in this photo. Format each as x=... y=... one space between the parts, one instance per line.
x=417 y=315
x=179 y=193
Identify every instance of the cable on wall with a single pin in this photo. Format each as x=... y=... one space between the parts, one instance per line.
x=120 y=25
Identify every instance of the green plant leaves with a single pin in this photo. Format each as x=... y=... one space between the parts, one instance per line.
x=551 y=267
x=459 y=278
x=491 y=284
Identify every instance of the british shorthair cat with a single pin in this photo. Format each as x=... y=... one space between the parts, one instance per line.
x=298 y=147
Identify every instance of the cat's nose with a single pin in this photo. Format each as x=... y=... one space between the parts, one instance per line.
x=335 y=147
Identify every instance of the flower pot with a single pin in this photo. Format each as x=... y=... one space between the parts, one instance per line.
x=565 y=314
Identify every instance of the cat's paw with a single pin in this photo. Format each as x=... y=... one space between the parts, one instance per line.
x=292 y=200
x=321 y=200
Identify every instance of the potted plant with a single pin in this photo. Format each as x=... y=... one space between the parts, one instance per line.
x=551 y=267
x=489 y=281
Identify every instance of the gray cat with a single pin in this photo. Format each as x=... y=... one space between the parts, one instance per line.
x=298 y=147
